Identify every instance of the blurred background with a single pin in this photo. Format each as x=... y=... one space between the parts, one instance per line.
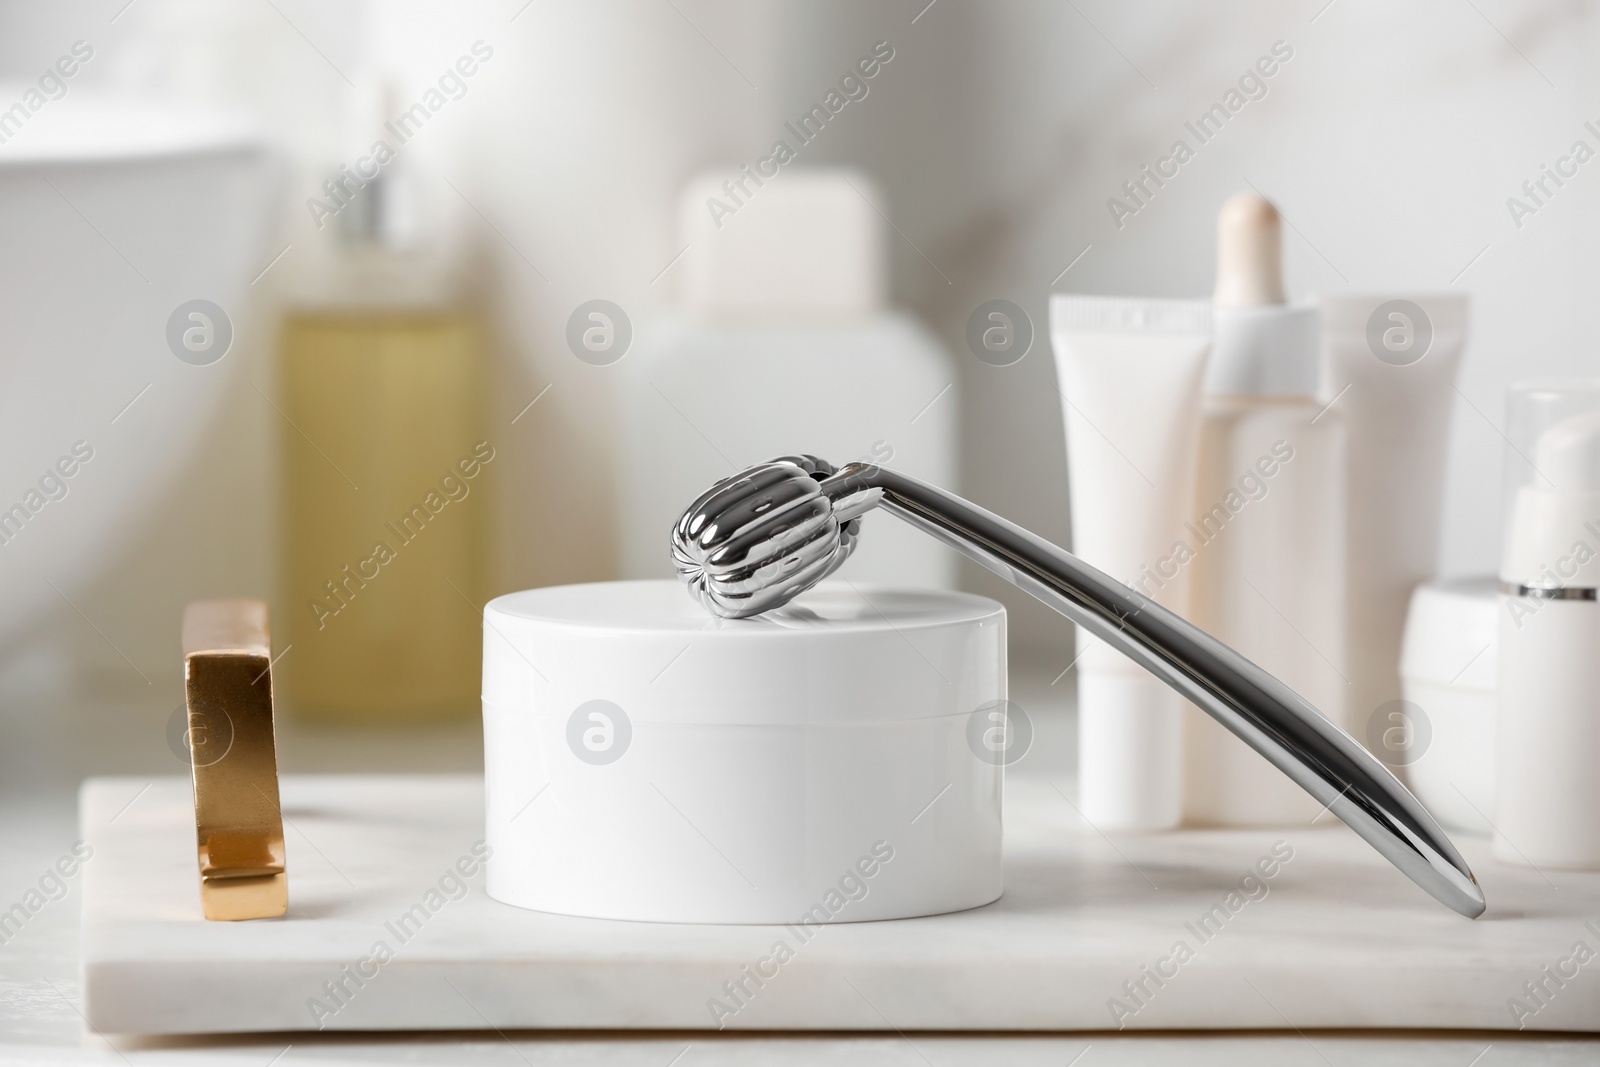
x=196 y=146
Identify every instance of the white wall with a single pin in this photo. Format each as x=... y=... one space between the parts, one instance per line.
x=1391 y=141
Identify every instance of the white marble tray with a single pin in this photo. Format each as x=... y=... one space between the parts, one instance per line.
x=1339 y=939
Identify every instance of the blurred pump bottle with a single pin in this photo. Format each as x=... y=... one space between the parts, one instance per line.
x=782 y=344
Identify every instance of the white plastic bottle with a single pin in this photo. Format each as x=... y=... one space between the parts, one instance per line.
x=783 y=344
x=1268 y=566
x=1547 y=789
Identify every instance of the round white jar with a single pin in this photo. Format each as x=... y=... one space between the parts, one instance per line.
x=830 y=761
x=1448 y=668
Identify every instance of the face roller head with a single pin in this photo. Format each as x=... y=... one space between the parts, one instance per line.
x=757 y=540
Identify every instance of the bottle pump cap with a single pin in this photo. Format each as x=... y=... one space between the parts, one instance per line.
x=1552 y=463
x=798 y=243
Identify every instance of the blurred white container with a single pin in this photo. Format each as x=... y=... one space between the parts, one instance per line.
x=785 y=346
x=1389 y=368
x=116 y=214
x=646 y=760
x=1448 y=668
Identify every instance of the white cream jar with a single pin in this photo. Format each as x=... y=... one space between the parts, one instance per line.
x=645 y=760
x=1448 y=669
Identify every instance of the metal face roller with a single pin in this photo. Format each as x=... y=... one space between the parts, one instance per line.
x=756 y=540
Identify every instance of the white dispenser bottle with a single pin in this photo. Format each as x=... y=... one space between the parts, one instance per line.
x=783 y=345
x=1547 y=791
x=1268 y=566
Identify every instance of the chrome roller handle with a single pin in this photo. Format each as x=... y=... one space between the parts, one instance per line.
x=755 y=541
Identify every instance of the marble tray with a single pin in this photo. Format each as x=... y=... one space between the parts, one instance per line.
x=1295 y=928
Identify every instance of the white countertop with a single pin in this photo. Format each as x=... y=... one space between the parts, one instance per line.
x=50 y=741
x=389 y=927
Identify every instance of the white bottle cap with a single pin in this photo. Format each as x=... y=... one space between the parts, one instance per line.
x=1260 y=346
x=798 y=243
x=1553 y=485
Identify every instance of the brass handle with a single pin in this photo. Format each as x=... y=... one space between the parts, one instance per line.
x=227 y=661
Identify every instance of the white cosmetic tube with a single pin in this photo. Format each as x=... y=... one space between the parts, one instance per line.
x=1389 y=368
x=1130 y=372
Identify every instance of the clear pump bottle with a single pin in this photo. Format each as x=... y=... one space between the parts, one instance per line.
x=782 y=342
x=1547 y=791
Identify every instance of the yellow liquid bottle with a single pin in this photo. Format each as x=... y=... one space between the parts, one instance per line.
x=383 y=504
x=385 y=462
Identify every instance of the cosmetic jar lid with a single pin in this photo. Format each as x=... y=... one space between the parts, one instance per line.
x=839 y=653
x=1452 y=634
x=1552 y=485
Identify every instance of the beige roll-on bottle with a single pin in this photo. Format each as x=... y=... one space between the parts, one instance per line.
x=1267 y=536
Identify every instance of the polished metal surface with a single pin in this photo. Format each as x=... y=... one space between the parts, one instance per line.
x=753 y=542
x=760 y=538
x=227 y=667
x=1549 y=592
